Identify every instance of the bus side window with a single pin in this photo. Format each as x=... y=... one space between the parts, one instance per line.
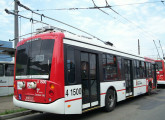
x=142 y=70
x=104 y=58
x=138 y=69
x=9 y=70
x=119 y=66
x=146 y=70
x=135 y=69
x=109 y=67
x=150 y=70
x=1 y=70
x=84 y=66
x=70 y=65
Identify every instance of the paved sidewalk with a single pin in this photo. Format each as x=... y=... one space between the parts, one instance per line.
x=6 y=103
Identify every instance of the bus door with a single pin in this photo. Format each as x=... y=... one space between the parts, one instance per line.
x=154 y=75
x=128 y=77
x=89 y=79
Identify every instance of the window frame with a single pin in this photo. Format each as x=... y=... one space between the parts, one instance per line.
x=10 y=71
x=1 y=75
x=73 y=69
x=111 y=66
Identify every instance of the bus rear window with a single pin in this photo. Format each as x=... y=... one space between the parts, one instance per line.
x=159 y=66
x=34 y=59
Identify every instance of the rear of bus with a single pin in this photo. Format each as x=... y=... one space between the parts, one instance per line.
x=160 y=71
x=39 y=73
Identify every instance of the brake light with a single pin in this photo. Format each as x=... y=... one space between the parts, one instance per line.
x=51 y=93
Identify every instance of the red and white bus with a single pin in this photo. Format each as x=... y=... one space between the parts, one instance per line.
x=160 y=68
x=62 y=73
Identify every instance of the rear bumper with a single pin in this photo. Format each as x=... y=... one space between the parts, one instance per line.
x=54 y=107
x=161 y=82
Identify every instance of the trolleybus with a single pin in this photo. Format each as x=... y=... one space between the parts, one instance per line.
x=160 y=72
x=6 y=78
x=63 y=73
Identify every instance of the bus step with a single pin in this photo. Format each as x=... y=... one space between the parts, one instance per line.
x=91 y=109
x=130 y=96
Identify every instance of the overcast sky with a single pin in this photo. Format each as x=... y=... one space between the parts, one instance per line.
x=145 y=22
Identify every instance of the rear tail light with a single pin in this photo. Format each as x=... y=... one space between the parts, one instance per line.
x=51 y=93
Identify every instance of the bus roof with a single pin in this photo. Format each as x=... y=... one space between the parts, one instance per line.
x=82 y=39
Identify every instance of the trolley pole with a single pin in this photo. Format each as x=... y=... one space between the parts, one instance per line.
x=138 y=47
x=16 y=33
x=156 y=49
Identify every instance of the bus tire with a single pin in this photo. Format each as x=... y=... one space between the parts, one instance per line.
x=149 y=89
x=110 y=100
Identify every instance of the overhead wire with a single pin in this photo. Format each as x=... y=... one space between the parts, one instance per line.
x=137 y=3
x=99 y=8
x=82 y=8
x=139 y=27
x=110 y=7
x=42 y=15
x=8 y=5
x=95 y=7
x=31 y=19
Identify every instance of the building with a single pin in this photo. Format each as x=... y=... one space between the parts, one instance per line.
x=4 y=57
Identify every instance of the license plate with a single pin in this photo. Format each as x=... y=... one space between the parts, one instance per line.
x=29 y=98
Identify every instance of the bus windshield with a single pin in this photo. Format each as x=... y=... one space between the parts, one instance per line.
x=34 y=58
x=159 y=66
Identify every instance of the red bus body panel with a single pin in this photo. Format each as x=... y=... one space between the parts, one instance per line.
x=161 y=74
x=43 y=92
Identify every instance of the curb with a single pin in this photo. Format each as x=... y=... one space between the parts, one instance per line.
x=18 y=114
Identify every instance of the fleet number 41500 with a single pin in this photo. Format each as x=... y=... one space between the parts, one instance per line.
x=73 y=92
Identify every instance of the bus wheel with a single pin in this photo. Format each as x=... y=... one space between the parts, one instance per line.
x=110 y=100
x=149 y=88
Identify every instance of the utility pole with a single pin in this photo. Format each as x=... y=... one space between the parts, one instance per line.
x=16 y=33
x=138 y=47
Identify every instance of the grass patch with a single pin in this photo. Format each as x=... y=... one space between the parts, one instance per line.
x=7 y=95
x=13 y=111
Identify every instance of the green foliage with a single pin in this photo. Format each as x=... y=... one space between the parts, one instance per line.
x=13 y=111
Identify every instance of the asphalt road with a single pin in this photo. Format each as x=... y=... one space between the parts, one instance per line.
x=139 y=108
